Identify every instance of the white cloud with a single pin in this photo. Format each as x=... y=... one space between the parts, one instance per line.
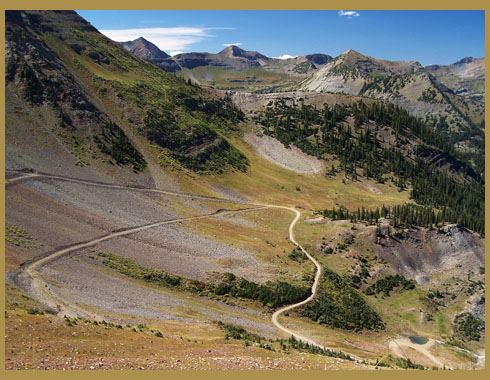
x=349 y=14
x=172 y=53
x=167 y=39
x=286 y=56
x=233 y=44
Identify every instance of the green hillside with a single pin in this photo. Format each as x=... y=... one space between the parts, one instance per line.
x=107 y=85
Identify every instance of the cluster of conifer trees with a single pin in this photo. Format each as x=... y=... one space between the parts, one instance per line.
x=407 y=215
x=458 y=197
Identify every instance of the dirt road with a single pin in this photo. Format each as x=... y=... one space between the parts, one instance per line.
x=42 y=291
x=397 y=346
x=314 y=288
x=33 y=175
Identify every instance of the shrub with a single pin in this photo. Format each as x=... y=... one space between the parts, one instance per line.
x=388 y=283
x=192 y=142
x=297 y=255
x=35 y=312
x=116 y=144
x=468 y=326
x=408 y=364
x=239 y=333
x=339 y=305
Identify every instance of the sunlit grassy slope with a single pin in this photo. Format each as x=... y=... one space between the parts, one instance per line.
x=269 y=183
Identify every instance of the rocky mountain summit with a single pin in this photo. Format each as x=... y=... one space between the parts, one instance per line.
x=144 y=49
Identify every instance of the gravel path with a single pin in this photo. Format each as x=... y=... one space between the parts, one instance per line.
x=42 y=290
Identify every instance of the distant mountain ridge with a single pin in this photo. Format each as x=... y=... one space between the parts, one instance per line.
x=465 y=77
x=234 y=51
x=231 y=58
x=450 y=97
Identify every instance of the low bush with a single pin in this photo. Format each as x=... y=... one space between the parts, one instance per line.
x=339 y=305
x=388 y=283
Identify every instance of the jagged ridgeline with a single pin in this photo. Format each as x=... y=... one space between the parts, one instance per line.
x=102 y=100
x=384 y=142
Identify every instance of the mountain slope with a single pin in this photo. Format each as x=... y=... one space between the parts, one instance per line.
x=236 y=69
x=410 y=86
x=447 y=97
x=102 y=99
x=465 y=77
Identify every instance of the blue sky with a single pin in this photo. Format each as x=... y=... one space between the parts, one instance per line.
x=441 y=37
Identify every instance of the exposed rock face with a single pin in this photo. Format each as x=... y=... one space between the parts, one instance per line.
x=446 y=162
x=318 y=59
x=234 y=60
x=421 y=252
x=478 y=307
x=432 y=92
x=290 y=158
x=351 y=67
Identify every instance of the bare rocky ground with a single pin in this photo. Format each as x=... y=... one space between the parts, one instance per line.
x=119 y=206
x=57 y=214
x=83 y=212
x=86 y=282
x=422 y=253
x=274 y=151
x=251 y=102
x=31 y=142
x=175 y=250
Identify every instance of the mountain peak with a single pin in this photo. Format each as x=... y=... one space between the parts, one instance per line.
x=144 y=49
x=464 y=60
x=351 y=57
x=234 y=51
x=350 y=52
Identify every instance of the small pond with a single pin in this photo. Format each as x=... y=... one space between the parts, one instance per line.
x=418 y=340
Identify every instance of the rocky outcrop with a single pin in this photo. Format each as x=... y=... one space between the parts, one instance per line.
x=422 y=252
x=318 y=59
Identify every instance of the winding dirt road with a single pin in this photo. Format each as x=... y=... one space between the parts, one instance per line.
x=42 y=291
x=33 y=175
x=40 y=287
x=314 y=288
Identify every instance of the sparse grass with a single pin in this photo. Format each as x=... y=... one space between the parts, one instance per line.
x=19 y=237
x=269 y=183
x=264 y=233
x=184 y=345
x=442 y=323
x=251 y=80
